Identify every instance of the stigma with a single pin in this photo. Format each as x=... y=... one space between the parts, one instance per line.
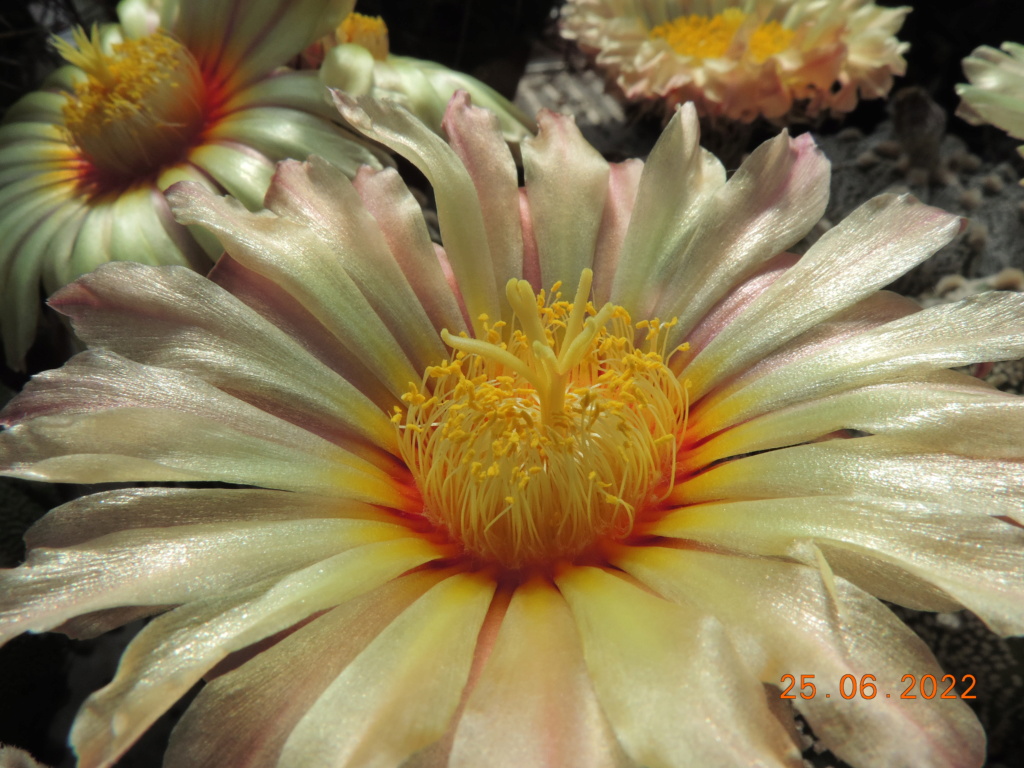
x=139 y=108
x=730 y=33
x=550 y=433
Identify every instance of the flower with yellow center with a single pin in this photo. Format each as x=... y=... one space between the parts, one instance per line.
x=357 y=58
x=995 y=94
x=578 y=488
x=197 y=95
x=784 y=60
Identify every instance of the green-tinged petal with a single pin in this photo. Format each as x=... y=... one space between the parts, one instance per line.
x=320 y=197
x=227 y=725
x=400 y=219
x=280 y=133
x=237 y=168
x=174 y=651
x=92 y=245
x=109 y=512
x=298 y=260
x=995 y=94
x=38 y=106
x=534 y=703
x=785 y=621
x=981 y=328
x=566 y=187
x=398 y=695
x=136 y=232
x=237 y=43
x=102 y=418
x=941 y=416
x=473 y=134
x=11 y=134
x=166 y=566
x=878 y=467
x=35 y=235
x=677 y=181
x=873 y=246
x=174 y=318
x=771 y=202
x=669 y=680
x=515 y=125
x=350 y=67
x=461 y=220
x=924 y=556
x=206 y=243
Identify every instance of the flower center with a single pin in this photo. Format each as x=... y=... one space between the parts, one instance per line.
x=139 y=108
x=547 y=435
x=368 y=31
x=713 y=37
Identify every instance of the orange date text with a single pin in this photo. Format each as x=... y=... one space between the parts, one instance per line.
x=865 y=687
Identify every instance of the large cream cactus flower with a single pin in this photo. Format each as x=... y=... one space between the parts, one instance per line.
x=579 y=488
x=783 y=60
x=995 y=94
x=197 y=93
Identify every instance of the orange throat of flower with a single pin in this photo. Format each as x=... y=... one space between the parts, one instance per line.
x=139 y=108
x=730 y=33
x=553 y=433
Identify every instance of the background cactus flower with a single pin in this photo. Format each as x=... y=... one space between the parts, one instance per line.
x=201 y=96
x=570 y=490
x=996 y=91
x=743 y=59
x=356 y=58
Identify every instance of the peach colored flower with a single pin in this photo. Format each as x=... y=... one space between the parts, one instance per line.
x=784 y=60
x=577 y=488
x=996 y=91
x=200 y=95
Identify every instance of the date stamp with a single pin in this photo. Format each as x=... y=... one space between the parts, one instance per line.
x=865 y=687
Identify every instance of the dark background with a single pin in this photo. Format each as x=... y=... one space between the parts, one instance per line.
x=491 y=39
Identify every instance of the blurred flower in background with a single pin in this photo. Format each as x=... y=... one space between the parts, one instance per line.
x=356 y=58
x=189 y=90
x=784 y=60
x=996 y=92
x=471 y=514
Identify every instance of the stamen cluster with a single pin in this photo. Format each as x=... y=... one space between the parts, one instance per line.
x=548 y=434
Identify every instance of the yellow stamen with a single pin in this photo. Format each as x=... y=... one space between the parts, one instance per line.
x=731 y=32
x=139 y=108
x=368 y=31
x=545 y=435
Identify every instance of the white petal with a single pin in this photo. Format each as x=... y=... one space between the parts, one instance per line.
x=398 y=695
x=872 y=247
x=102 y=418
x=566 y=187
x=879 y=467
x=166 y=566
x=534 y=704
x=228 y=723
x=173 y=651
x=981 y=328
x=174 y=318
x=463 y=230
x=669 y=679
x=785 y=622
x=924 y=556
